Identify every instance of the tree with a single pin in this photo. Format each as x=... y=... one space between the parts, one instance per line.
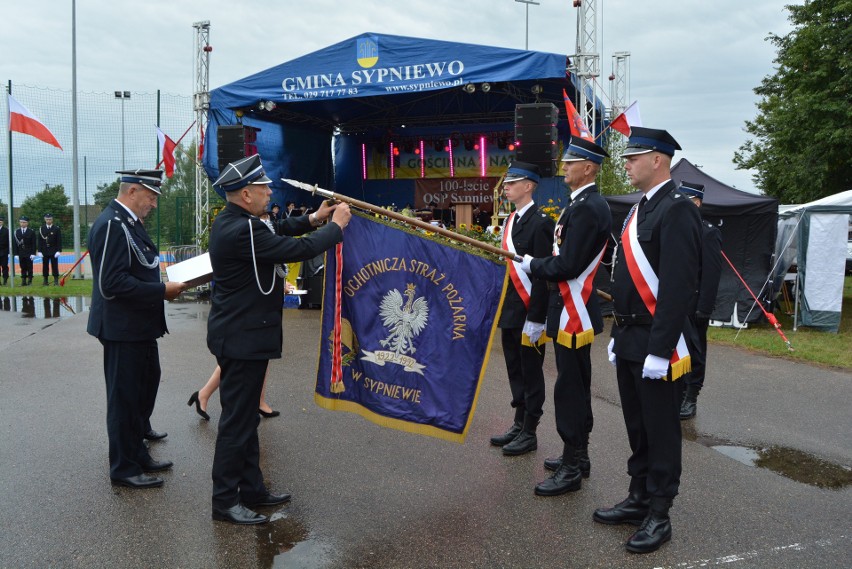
x=105 y=193
x=612 y=179
x=803 y=130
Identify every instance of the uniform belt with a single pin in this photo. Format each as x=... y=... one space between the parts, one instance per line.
x=622 y=320
x=552 y=286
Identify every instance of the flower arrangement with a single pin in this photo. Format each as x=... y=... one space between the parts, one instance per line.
x=551 y=209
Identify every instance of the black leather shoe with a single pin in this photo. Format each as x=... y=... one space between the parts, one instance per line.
x=553 y=464
x=138 y=481
x=268 y=414
x=525 y=442
x=567 y=478
x=656 y=529
x=632 y=510
x=240 y=515
x=153 y=435
x=155 y=466
x=269 y=500
x=508 y=436
x=688 y=409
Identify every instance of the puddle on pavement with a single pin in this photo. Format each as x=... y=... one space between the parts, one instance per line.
x=44 y=308
x=284 y=542
x=791 y=463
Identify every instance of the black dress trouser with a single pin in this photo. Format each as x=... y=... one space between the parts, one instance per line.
x=572 y=396
x=236 y=463
x=526 y=378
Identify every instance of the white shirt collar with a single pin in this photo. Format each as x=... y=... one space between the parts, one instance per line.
x=135 y=217
x=653 y=190
x=519 y=213
x=577 y=192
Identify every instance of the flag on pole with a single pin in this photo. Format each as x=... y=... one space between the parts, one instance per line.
x=629 y=118
x=22 y=120
x=407 y=326
x=167 y=151
x=578 y=128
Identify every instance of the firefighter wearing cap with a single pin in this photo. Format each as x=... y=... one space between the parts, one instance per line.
x=654 y=283
x=24 y=246
x=521 y=320
x=709 y=272
x=573 y=316
x=127 y=316
x=50 y=246
x=244 y=326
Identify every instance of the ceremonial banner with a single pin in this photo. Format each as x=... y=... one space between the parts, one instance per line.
x=406 y=329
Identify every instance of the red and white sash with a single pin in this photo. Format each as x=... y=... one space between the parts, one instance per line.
x=575 y=324
x=520 y=280
x=647 y=283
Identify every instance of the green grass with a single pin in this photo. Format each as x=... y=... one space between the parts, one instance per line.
x=810 y=346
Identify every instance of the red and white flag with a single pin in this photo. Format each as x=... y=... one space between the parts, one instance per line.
x=22 y=120
x=578 y=128
x=629 y=118
x=167 y=150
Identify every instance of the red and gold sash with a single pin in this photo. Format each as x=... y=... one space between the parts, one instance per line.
x=647 y=283
x=575 y=324
x=520 y=280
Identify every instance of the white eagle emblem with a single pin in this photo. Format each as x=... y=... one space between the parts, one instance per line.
x=406 y=319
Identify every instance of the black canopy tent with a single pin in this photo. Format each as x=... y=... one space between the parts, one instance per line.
x=748 y=223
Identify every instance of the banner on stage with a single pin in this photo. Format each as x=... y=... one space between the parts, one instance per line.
x=407 y=326
x=447 y=192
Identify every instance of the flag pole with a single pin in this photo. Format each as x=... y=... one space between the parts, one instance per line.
x=176 y=142
x=417 y=223
x=9 y=214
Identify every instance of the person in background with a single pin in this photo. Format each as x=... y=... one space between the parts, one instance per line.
x=24 y=246
x=4 y=251
x=709 y=272
x=49 y=246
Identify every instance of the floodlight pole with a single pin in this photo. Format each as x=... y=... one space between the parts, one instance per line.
x=527 y=2
x=123 y=95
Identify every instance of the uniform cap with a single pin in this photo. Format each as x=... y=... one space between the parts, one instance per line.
x=643 y=140
x=582 y=149
x=692 y=189
x=240 y=174
x=522 y=171
x=151 y=179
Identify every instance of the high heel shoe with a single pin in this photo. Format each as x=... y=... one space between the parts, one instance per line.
x=268 y=414
x=198 y=409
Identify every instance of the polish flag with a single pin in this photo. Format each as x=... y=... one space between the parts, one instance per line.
x=629 y=118
x=167 y=150
x=574 y=120
x=22 y=120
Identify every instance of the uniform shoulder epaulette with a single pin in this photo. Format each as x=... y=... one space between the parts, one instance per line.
x=676 y=195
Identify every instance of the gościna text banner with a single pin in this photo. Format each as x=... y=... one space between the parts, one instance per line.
x=407 y=325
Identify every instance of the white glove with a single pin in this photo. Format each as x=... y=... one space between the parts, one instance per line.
x=655 y=367
x=32 y=257
x=56 y=254
x=525 y=264
x=533 y=330
x=609 y=352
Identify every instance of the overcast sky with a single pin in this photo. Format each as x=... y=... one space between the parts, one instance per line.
x=693 y=63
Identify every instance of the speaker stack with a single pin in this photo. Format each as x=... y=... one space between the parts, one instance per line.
x=235 y=142
x=536 y=135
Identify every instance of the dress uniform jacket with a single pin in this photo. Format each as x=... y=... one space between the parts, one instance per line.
x=582 y=231
x=49 y=240
x=127 y=297
x=4 y=241
x=24 y=243
x=668 y=232
x=532 y=234
x=244 y=323
x=710 y=269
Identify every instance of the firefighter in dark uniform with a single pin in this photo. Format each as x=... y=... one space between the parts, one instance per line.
x=4 y=251
x=24 y=246
x=710 y=270
x=244 y=326
x=50 y=246
x=655 y=279
x=574 y=317
x=127 y=316
x=521 y=321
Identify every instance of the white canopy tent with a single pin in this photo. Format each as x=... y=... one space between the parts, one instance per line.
x=814 y=236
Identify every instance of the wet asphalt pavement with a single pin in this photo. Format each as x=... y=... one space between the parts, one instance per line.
x=369 y=497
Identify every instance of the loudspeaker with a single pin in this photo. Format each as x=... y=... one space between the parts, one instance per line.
x=231 y=144
x=536 y=135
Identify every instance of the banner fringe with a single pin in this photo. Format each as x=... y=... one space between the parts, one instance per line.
x=681 y=368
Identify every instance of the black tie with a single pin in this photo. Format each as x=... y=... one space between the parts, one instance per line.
x=642 y=202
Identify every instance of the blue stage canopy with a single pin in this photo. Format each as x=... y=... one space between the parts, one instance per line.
x=371 y=87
